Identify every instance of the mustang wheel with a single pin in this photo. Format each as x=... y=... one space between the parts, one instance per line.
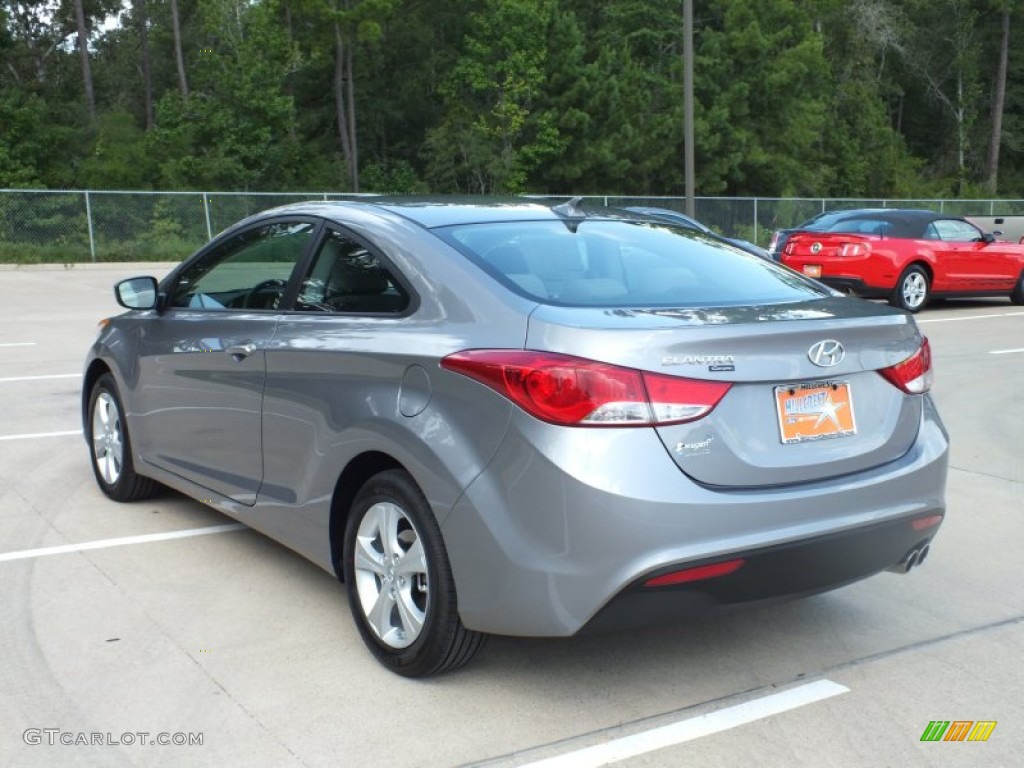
x=110 y=446
x=911 y=291
x=399 y=583
x=1017 y=297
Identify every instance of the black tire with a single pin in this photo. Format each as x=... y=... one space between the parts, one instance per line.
x=108 y=436
x=418 y=631
x=1017 y=296
x=912 y=289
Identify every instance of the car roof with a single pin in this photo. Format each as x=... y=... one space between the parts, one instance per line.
x=447 y=211
x=905 y=222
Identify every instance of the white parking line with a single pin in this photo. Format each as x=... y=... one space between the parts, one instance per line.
x=969 y=317
x=17 y=344
x=1006 y=351
x=694 y=727
x=32 y=435
x=40 y=378
x=125 y=540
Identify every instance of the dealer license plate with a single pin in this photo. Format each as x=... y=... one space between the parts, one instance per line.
x=817 y=410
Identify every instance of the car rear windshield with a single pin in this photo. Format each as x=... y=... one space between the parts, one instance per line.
x=624 y=264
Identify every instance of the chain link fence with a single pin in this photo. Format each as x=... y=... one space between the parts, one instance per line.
x=75 y=226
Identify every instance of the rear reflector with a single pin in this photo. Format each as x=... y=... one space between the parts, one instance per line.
x=700 y=573
x=573 y=391
x=913 y=375
x=924 y=523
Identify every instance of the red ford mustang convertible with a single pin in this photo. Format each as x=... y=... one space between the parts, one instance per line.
x=905 y=256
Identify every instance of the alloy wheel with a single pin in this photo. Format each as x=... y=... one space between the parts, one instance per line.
x=915 y=288
x=391 y=575
x=107 y=438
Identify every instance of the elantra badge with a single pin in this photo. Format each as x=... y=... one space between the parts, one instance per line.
x=826 y=353
x=715 y=363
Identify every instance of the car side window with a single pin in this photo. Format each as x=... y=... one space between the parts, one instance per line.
x=346 y=277
x=249 y=271
x=957 y=231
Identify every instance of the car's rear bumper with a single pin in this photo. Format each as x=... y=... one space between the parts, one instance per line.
x=773 y=573
x=564 y=522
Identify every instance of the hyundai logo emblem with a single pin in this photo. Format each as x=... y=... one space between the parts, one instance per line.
x=826 y=353
x=815 y=247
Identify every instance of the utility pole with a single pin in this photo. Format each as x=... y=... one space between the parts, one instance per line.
x=688 y=104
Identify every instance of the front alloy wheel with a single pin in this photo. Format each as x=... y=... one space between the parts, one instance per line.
x=107 y=440
x=400 y=586
x=110 y=446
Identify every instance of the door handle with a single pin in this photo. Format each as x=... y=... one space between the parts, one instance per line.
x=240 y=351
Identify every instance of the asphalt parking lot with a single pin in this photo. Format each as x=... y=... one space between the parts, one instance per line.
x=177 y=632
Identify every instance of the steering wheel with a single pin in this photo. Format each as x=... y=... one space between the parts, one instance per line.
x=254 y=299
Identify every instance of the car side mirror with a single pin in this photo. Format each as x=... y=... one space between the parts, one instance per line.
x=136 y=293
x=988 y=237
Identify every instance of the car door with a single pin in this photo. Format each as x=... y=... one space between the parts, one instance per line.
x=334 y=363
x=970 y=262
x=202 y=358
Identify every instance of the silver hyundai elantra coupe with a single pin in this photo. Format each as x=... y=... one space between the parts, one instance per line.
x=500 y=417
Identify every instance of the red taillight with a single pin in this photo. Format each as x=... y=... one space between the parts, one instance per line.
x=913 y=375
x=700 y=573
x=573 y=391
x=674 y=400
x=854 y=250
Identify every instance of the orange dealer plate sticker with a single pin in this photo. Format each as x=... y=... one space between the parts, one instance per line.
x=812 y=270
x=818 y=410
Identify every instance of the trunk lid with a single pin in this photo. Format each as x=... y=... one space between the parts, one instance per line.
x=841 y=418
x=810 y=245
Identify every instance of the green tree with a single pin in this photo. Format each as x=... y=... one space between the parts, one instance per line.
x=864 y=154
x=399 y=82
x=879 y=98
x=24 y=148
x=492 y=135
x=236 y=129
x=1005 y=9
x=949 y=71
x=120 y=158
x=615 y=85
x=762 y=93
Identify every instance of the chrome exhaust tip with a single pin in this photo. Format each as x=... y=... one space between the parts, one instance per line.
x=922 y=554
x=913 y=558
